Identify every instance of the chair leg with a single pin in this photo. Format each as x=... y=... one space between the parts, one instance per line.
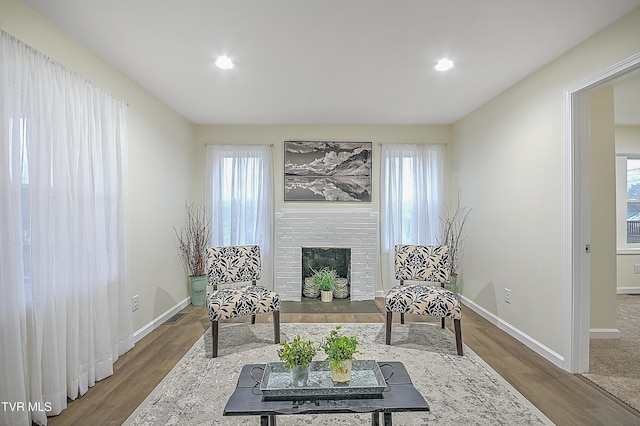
x=442 y=322
x=276 y=326
x=214 y=335
x=253 y=319
x=458 y=328
x=401 y=318
x=388 y=327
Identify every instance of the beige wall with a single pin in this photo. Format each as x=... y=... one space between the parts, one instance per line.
x=627 y=280
x=160 y=158
x=511 y=166
x=603 y=199
x=277 y=134
x=628 y=139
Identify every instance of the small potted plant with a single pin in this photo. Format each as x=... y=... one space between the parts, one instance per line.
x=340 y=351
x=325 y=280
x=296 y=356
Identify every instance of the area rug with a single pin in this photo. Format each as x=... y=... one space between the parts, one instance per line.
x=336 y=306
x=460 y=390
x=614 y=364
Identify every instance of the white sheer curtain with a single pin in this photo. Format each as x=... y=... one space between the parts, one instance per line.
x=412 y=198
x=64 y=291
x=239 y=196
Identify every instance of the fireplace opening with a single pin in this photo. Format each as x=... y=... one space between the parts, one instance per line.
x=317 y=258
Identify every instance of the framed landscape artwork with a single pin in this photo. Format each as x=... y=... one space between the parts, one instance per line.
x=327 y=171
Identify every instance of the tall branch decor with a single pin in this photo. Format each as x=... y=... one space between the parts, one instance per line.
x=452 y=234
x=194 y=240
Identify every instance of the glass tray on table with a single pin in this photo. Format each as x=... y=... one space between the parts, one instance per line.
x=367 y=381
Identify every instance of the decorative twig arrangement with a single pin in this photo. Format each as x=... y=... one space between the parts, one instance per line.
x=194 y=239
x=452 y=234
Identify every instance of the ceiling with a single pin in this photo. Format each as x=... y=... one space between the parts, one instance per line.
x=329 y=61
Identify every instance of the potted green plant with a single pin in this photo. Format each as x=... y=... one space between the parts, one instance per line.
x=340 y=350
x=193 y=241
x=325 y=280
x=296 y=356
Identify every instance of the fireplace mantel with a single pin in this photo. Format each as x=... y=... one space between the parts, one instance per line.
x=356 y=229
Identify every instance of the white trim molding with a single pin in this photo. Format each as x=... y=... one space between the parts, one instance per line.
x=628 y=290
x=604 y=333
x=629 y=251
x=577 y=206
x=139 y=334
x=545 y=352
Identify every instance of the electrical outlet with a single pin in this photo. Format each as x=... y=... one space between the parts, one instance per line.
x=134 y=304
x=507 y=295
x=636 y=268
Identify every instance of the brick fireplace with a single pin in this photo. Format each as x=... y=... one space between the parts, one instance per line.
x=356 y=229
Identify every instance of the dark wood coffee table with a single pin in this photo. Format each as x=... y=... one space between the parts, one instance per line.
x=399 y=396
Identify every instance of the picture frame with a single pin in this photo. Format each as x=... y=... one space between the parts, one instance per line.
x=327 y=171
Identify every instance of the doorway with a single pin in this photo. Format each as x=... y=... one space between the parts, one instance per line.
x=577 y=289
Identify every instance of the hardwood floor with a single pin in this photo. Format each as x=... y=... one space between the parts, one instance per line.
x=565 y=398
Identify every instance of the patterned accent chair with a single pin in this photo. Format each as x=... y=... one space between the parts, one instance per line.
x=423 y=263
x=234 y=265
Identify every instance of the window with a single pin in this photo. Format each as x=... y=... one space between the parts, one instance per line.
x=66 y=306
x=239 y=197
x=633 y=200
x=628 y=202
x=18 y=132
x=412 y=198
x=408 y=173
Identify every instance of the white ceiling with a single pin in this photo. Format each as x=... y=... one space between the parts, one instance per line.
x=329 y=61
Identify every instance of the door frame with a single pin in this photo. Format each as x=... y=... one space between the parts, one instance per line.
x=577 y=206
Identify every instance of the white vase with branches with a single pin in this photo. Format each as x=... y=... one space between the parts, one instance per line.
x=193 y=241
x=452 y=235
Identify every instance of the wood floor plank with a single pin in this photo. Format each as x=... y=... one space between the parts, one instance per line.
x=565 y=398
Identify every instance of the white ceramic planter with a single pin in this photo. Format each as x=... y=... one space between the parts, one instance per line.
x=343 y=373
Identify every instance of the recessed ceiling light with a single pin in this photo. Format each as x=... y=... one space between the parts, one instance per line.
x=444 y=64
x=224 y=62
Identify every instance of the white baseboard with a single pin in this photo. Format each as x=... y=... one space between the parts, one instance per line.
x=160 y=320
x=628 y=290
x=526 y=340
x=604 y=333
x=523 y=338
